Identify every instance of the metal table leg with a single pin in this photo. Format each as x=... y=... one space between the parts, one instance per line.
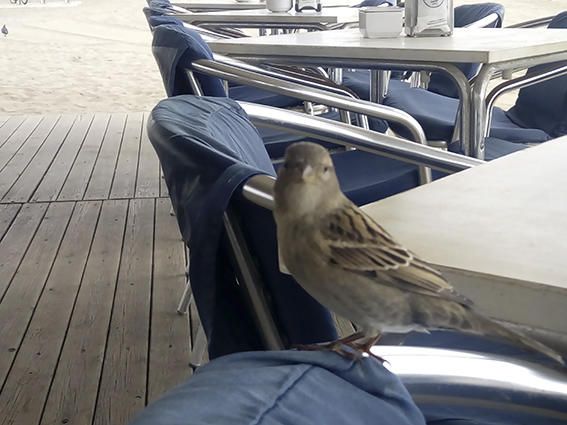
x=478 y=111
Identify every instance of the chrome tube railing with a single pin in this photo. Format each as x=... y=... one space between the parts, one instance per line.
x=484 y=22
x=276 y=85
x=534 y=23
x=521 y=82
x=259 y=188
x=281 y=74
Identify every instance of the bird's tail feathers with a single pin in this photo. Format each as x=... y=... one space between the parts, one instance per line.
x=490 y=327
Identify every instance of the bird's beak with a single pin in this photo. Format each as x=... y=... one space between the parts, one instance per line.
x=307 y=172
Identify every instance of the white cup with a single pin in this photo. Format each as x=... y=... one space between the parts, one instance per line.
x=279 y=5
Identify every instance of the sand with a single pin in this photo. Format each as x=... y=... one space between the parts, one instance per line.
x=95 y=55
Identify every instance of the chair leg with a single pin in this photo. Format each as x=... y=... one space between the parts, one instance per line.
x=199 y=348
x=186 y=299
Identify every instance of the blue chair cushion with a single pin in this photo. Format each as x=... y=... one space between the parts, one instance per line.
x=437 y=114
x=159 y=3
x=207 y=148
x=263 y=97
x=286 y=388
x=544 y=105
x=175 y=48
x=465 y=15
x=493 y=148
x=156 y=20
x=375 y=3
x=277 y=141
x=365 y=177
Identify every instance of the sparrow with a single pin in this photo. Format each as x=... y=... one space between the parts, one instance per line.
x=354 y=267
x=4 y=30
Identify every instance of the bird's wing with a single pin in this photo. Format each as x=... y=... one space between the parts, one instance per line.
x=359 y=244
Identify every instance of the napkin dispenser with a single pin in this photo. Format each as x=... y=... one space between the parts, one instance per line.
x=429 y=18
x=380 y=22
x=303 y=5
x=279 y=6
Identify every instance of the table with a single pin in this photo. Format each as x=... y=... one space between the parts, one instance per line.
x=263 y=18
x=496 y=49
x=212 y=5
x=498 y=231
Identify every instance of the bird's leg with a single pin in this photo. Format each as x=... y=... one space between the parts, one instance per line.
x=333 y=345
x=366 y=345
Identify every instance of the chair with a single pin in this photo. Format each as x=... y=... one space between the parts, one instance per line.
x=539 y=113
x=240 y=92
x=208 y=150
x=365 y=177
x=482 y=15
x=219 y=178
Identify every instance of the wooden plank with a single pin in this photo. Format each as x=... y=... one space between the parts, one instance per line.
x=123 y=385
x=24 y=393
x=17 y=139
x=19 y=301
x=7 y=215
x=72 y=396
x=3 y=120
x=169 y=348
x=30 y=178
x=148 y=181
x=60 y=168
x=16 y=241
x=103 y=173
x=78 y=177
x=124 y=183
x=18 y=163
x=9 y=127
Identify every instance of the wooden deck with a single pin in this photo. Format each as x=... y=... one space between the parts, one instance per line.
x=91 y=270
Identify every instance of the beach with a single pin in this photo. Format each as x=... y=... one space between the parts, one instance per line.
x=95 y=55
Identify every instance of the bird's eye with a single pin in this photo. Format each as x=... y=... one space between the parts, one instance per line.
x=325 y=169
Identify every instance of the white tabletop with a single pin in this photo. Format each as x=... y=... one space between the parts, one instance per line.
x=330 y=15
x=484 y=45
x=498 y=230
x=245 y=5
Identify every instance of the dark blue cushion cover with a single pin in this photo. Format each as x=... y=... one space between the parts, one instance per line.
x=286 y=388
x=437 y=113
x=156 y=20
x=375 y=3
x=544 y=105
x=175 y=48
x=202 y=144
x=365 y=177
x=262 y=97
x=306 y=388
x=159 y=3
x=207 y=148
